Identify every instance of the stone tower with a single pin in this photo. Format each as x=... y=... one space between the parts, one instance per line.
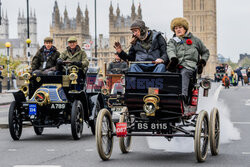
x=22 y=27
x=119 y=30
x=202 y=19
x=4 y=27
x=64 y=27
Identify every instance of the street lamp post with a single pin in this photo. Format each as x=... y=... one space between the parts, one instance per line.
x=95 y=33
x=28 y=41
x=0 y=13
x=7 y=45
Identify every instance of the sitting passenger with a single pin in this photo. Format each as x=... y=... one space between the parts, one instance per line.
x=147 y=45
x=44 y=62
x=185 y=52
x=117 y=66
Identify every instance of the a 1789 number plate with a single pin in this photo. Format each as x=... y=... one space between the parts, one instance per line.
x=150 y=126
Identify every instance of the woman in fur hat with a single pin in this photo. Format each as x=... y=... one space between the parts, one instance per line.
x=146 y=45
x=186 y=52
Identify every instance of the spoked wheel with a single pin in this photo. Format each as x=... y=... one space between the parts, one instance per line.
x=92 y=123
x=104 y=137
x=38 y=130
x=15 y=121
x=77 y=119
x=124 y=142
x=214 y=127
x=201 y=136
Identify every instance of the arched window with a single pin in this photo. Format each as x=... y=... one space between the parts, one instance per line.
x=123 y=41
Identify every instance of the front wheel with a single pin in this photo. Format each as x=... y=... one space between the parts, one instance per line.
x=15 y=121
x=104 y=137
x=124 y=142
x=201 y=136
x=214 y=127
x=77 y=120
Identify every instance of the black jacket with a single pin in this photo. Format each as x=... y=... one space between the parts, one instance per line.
x=157 y=50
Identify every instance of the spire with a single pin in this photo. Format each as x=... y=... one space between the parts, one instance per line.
x=55 y=6
x=65 y=13
x=56 y=14
x=34 y=13
x=6 y=16
x=118 y=10
x=111 y=8
x=78 y=14
x=133 y=15
x=86 y=12
x=30 y=13
x=22 y=14
x=139 y=12
x=19 y=13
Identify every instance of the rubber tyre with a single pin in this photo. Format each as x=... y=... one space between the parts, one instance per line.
x=104 y=119
x=38 y=130
x=15 y=122
x=214 y=127
x=124 y=142
x=201 y=149
x=77 y=120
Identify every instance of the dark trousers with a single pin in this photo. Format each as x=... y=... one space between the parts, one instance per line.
x=186 y=76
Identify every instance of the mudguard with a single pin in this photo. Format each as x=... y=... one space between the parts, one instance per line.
x=82 y=96
x=93 y=100
x=19 y=96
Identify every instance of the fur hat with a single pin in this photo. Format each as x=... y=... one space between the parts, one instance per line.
x=138 y=24
x=179 y=21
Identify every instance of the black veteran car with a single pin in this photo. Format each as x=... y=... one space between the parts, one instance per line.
x=50 y=101
x=153 y=105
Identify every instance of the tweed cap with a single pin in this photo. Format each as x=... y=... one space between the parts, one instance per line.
x=48 y=39
x=179 y=21
x=72 y=39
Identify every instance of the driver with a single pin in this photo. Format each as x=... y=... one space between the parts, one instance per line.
x=146 y=45
x=117 y=66
x=73 y=54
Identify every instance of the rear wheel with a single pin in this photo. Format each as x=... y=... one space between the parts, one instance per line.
x=77 y=120
x=201 y=136
x=124 y=142
x=92 y=123
x=214 y=127
x=15 y=121
x=104 y=137
x=38 y=130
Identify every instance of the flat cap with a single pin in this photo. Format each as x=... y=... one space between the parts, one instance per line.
x=72 y=39
x=48 y=39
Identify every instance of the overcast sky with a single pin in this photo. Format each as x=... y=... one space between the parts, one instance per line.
x=233 y=28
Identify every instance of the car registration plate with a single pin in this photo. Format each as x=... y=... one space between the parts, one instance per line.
x=32 y=109
x=149 y=126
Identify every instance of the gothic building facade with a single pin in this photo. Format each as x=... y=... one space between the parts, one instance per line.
x=18 y=45
x=202 y=18
x=63 y=27
x=119 y=30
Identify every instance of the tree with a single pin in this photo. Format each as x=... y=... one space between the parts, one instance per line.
x=13 y=64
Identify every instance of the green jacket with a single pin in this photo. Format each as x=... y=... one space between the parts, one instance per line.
x=40 y=57
x=188 y=55
x=78 y=56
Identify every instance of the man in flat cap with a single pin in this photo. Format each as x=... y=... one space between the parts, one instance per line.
x=146 y=45
x=74 y=54
x=44 y=62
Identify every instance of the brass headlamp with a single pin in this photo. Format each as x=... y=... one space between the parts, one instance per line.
x=151 y=104
x=26 y=77
x=73 y=76
x=25 y=90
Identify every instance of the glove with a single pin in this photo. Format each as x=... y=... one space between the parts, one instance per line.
x=78 y=64
x=172 y=64
x=200 y=66
x=59 y=62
